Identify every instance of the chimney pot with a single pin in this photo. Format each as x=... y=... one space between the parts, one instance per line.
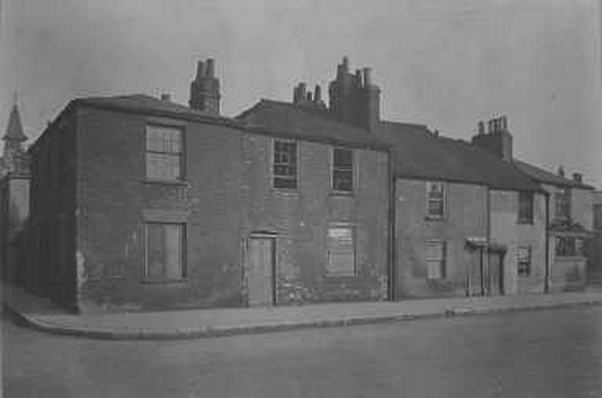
x=578 y=177
x=561 y=171
x=345 y=64
x=165 y=97
x=210 y=70
x=367 y=78
x=200 y=70
x=309 y=98
x=317 y=94
x=481 y=127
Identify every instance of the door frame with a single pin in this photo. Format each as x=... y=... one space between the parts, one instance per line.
x=272 y=237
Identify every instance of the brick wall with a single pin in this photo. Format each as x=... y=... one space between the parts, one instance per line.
x=226 y=197
x=466 y=216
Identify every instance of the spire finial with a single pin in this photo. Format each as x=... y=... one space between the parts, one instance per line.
x=15 y=97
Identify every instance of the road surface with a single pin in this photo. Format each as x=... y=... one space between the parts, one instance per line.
x=528 y=354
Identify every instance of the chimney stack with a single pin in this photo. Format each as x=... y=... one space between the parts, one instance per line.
x=497 y=140
x=578 y=177
x=561 y=171
x=205 y=89
x=165 y=97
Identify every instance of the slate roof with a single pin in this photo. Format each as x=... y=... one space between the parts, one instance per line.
x=545 y=177
x=314 y=124
x=421 y=154
x=418 y=153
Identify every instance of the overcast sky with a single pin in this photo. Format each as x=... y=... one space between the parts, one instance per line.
x=443 y=63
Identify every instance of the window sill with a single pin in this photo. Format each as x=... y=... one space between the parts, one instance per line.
x=341 y=193
x=286 y=191
x=341 y=276
x=524 y=222
x=159 y=181
x=179 y=281
x=435 y=218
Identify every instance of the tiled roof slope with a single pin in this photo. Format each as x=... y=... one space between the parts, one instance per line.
x=421 y=154
x=545 y=177
x=309 y=123
x=417 y=152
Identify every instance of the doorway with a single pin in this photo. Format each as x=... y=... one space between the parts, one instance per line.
x=261 y=265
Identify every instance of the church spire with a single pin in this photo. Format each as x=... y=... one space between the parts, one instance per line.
x=14 y=130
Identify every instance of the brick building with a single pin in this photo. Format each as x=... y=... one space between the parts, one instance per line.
x=142 y=203
x=594 y=273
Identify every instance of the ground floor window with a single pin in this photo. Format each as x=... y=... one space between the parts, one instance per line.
x=165 y=251
x=436 y=252
x=524 y=260
x=340 y=246
x=569 y=246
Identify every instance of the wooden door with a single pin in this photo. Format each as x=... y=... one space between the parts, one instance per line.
x=260 y=271
x=495 y=274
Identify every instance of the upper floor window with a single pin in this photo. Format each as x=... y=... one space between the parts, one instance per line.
x=342 y=170
x=525 y=208
x=163 y=152
x=435 y=199
x=436 y=253
x=285 y=164
x=562 y=201
x=524 y=260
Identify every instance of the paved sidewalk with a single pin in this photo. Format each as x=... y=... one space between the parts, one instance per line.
x=43 y=315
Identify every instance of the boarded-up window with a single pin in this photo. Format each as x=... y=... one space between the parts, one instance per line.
x=164 y=251
x=163 y=152
x=340 y=244
x=525 y=208
x=524 y=261
x=285 y=164
x=342 y=169
x=435 y=259
x=435 y=199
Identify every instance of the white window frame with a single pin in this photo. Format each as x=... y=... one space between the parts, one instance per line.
x=529 y=251
x=273 y=174
x=429 y=184
x=441 y=273
x=332 y=170
x=183 y=265
x=180 y=154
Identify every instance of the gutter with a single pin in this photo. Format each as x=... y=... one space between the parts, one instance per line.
x=546 y=286
x=392 y=293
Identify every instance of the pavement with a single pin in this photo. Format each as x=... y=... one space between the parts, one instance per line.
x=42 y=314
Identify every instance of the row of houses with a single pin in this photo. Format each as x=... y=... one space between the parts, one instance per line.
x=135 y=203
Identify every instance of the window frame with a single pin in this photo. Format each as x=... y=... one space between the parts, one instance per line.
x=354 y=270
x=183 y=271
x=443 y=200
x=526 y=219
x=181 y=154
x=562 y=205
x=572 y=246
x=523 y=269
x=334 y=169
x=274 y=176
x=443 y=261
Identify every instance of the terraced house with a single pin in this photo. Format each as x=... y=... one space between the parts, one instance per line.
x=140 y=203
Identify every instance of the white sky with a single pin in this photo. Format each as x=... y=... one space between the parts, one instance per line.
x=443 y=63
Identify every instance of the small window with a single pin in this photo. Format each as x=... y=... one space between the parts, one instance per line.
x=436 y=252
x=562 y=200
x=163 y=153
x=285 y=164
x=340 y=244
x=435 y=199
x=165 y=251
x=524 y=260
x=567 y=246
x=342 y=170
x=525 y=208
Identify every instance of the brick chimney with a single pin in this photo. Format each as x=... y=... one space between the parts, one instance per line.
x=354 y=99
x=303 y=97
x=497 y=139
x=578 y=177
x=204 y=89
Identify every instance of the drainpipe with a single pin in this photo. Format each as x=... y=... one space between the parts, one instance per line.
x=546 y=286
x=392 y=244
